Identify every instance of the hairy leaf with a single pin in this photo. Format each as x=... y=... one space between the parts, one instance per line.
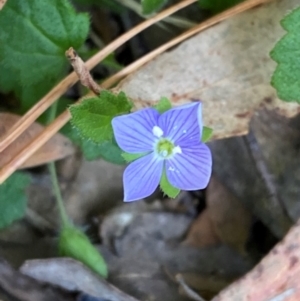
x=286 y=78
x=32 y=52
x=13 y=199
x=93 y=116
x=108 y=150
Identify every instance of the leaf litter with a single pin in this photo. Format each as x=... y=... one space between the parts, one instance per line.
x=149 y=243
x=229 y=70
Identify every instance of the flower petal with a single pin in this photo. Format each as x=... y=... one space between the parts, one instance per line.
x=190 y=170
x=142 y=177
x=183 y=124
x=133 y=132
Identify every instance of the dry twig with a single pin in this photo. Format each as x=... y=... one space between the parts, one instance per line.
x=82 y=72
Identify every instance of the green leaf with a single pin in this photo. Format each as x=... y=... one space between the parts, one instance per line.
x=217 y=6
x=93 y=116
x=26 y=96
x=30 y=95
x=108 y=150
x=152 y=6
x=286 y=78
x=75 y=244
x=163 y=105
x=167 y=188
x=13 y=199
x=132 y=157
x=32 y=52
x=206 y=133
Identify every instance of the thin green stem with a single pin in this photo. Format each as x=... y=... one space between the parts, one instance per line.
x=58 y=196
x=51 y=113
x=52 y=170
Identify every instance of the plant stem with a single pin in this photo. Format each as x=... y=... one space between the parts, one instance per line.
x=58 y=196
x=52 y=170
x=52 y=112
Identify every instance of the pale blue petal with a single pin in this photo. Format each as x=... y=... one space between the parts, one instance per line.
x=133 y=132
x=190 y=170
x=142 y=177
x=183 y=124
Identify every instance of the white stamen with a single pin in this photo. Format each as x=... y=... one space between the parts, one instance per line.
x=164 y=153
x=184 y=131
x=171 y=168
x=157 y=131
x=177 y=150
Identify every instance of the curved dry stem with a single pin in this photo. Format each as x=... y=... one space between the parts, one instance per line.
x=62 y=119
x=71 y=79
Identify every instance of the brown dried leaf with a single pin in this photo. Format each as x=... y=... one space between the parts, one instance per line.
x=225 y=219
x=202 y=232
x=56 y=148
x=227 y=66
x=231 y=220
x=275 y=278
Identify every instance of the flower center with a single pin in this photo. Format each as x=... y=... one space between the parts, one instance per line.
x=165 y=148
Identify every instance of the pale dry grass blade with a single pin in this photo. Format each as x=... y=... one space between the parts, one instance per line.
x=2 y=3
x=33 y=146
x=56 y=148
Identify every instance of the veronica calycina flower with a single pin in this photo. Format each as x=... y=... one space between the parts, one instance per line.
x=170 y=144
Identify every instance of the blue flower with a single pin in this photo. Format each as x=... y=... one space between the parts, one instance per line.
x=170 y=141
